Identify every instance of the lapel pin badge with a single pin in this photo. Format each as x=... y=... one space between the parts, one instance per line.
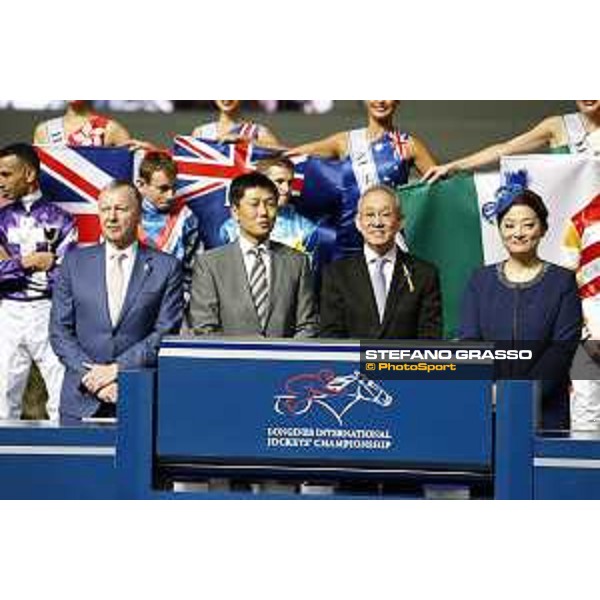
x=408 y=278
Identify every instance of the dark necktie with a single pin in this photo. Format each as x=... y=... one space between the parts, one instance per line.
x=259 y=286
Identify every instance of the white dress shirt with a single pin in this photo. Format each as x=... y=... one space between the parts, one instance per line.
x=247 y=248
x=129 y=254
x=388 y=268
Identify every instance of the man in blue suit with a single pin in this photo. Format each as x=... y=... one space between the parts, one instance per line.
x=112 y=305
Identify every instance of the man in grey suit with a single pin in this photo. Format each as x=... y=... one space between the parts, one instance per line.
x=253 y=286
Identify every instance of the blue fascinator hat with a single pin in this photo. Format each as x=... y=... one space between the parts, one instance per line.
x=515 y=183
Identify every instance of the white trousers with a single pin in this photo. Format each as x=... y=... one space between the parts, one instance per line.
x=585 y=395
x=24 y=339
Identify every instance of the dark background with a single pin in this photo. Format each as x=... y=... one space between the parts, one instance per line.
x=449 y=128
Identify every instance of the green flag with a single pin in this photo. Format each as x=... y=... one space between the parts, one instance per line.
x=443 y=226
x=451 y=224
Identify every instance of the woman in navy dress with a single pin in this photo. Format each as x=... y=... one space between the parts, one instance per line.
x=526 y=299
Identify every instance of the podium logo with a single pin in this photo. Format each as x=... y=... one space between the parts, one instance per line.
x=336 y=394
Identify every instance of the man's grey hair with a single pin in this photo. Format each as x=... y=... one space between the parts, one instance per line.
x=386 y=189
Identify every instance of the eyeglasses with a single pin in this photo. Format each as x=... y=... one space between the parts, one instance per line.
x=372 y=217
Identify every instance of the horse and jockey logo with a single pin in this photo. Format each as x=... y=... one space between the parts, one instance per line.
x=336 y=394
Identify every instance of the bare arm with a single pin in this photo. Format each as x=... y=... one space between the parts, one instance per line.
x=334 y=146
x=116 y=134
x=39 y=135
x=548 y=132
x=421 y=156
x=267 y=138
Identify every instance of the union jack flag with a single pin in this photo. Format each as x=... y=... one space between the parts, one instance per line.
x=74 y=177
x=206 y=168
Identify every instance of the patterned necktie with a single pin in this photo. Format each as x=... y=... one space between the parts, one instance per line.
x=379 y=286
x=259 y=286
x=116 y=286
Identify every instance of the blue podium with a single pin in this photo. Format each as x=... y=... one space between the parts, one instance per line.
x=48 y=461
x=251 y=411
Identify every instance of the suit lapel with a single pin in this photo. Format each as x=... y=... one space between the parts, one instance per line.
x=396 y=288
x=364 y=283
x=142 y=268
x=98 y=272
x=239 y=274
x=277 y=269
x=395 y=291
x=241 y=284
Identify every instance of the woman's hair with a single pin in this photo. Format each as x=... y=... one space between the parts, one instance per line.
x=525 y=197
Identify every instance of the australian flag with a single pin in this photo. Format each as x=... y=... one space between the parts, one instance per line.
x=74 y=177
x=206 y=168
